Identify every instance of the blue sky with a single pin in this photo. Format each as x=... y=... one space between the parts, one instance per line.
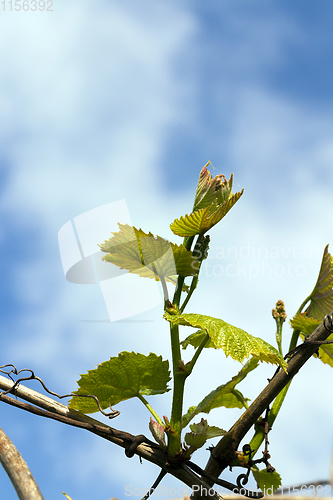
x=102 y=101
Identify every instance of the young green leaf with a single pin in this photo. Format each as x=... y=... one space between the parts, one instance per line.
x=202 y=220
x=321 y=303
x=234 y=341
x=268 y=482
x=321 y=298
x=199 y=435
x=147 y=255
x=211 y=191
x=225 y=395
x=306 y=326
x=195 y=441
x=123 y=377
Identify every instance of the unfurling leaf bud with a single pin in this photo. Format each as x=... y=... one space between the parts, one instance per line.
x=171 y=308
x=157 y=431
x=211 y=191
x=181 y=366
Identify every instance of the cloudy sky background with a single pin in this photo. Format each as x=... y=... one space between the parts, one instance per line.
x=110 y=100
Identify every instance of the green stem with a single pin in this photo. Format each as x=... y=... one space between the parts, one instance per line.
x=180 y=281
x=193 y=286
x=178 y=291
x=190 y=365
x=179 y=376
x=158 y=271
x=175 y=347
x=278 y=335
x=294 y=339
x=177 y=413
x=259 y=436
x=195 y=278
x=277 y=405
x=296 y=333
x=188 y=242
x=152 y=411
x=179 y=371
x=301 y=307
x=165 y=290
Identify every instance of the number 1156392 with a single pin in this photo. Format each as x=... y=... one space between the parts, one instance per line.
x=27 y=5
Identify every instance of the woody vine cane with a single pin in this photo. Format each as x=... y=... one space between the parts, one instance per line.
x=135 y=375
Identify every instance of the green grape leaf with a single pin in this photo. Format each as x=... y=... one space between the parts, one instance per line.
x=195 y=441
x=122 y=377
x=225 y=395
x=211 y=191
x=147 y=255
x=200 y=221
x=199 y=435
x=268 y=482
x=234 y=341
x=306 y=326
x=321 y=303
x=321 y=298
x=209 y=430
x=213 y=431
x=325 y=352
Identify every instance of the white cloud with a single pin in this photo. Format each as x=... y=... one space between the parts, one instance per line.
x=89 y=94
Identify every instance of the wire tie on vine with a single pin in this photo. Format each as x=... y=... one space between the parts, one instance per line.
x=32 y=376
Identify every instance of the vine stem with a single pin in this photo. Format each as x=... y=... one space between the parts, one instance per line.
x=193 y=286
x=150 y=408
x=296 y=333
x=174 y=444
x=179 y=375
x=259 y=436
x=197 y=353
x=17 y=470
x=180 y=371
